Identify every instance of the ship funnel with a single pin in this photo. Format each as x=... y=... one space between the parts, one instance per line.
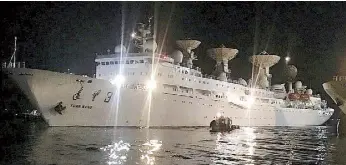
x=262 y=63
x=222 y=55
x=187 y=46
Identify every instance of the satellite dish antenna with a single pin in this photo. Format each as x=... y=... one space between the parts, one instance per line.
x=222 y=55
x=187 y=46
x=262 y=63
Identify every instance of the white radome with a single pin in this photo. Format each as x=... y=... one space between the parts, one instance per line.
x=119 y=49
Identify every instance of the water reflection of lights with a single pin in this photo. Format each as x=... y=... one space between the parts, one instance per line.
x=117 y=152
x=251 y=136
x=149 y=149
x=239 y=142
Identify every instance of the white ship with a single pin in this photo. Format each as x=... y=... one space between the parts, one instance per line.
x=149 y=89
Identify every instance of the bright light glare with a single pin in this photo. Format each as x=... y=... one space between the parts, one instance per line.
x=118 y=80
x=151 y=84
x=133 y=35
x=287 y=59
x=218 y=114
x=250 y=101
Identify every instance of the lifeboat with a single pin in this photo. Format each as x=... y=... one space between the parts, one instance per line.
x=293 y=96
x=304 y=97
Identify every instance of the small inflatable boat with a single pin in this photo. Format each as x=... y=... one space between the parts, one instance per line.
x=222 y=124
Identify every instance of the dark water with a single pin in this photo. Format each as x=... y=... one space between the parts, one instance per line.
x=94 y=146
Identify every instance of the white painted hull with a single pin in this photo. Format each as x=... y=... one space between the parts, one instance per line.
x=131 y=107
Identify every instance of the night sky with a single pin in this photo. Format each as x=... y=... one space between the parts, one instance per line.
x=62 y=35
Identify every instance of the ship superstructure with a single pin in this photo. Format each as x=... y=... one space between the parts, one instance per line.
x=151 y=89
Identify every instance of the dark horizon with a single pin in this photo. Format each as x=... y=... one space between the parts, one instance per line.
x=62 y=35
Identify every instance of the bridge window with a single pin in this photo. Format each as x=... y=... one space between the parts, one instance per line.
x=132 y=61
x=127 y=62
x=107 y=63
x=112 y=62
x=141 y=61
x=97 y=63
x=103 y=63
x=116 y=62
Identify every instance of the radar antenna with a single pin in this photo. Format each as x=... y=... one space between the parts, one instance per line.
x=144 y=34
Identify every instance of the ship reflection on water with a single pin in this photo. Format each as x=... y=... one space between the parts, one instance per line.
x=256 y=145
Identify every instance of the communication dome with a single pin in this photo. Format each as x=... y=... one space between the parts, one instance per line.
x=242 y=82
x=298 y=85
x=150 y=46
x=120 y=48
x=292 y=72
x=177 y=56
x=309 y=91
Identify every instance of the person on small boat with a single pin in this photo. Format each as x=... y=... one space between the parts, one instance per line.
x=221 y=124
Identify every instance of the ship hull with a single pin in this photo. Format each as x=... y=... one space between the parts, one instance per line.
x=337 y=91
x=96 y=102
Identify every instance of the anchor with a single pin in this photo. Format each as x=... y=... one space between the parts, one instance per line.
x=59 y=108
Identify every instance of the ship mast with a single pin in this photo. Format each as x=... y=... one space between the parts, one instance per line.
x=13 y=57
x=145 y=34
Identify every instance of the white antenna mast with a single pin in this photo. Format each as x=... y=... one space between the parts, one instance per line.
x=14 y=54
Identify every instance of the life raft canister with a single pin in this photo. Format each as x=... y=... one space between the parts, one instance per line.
x=304 y=97
x=293 y=96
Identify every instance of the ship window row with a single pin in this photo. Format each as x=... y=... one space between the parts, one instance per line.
x=183 y=90
x=242 y=98
x=120 y=62
x=187 y=72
